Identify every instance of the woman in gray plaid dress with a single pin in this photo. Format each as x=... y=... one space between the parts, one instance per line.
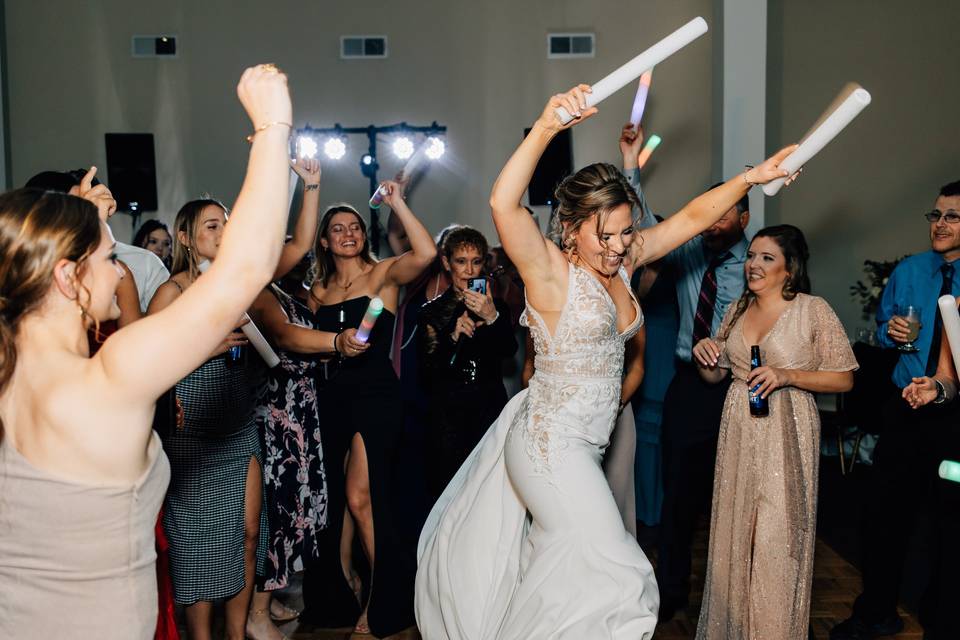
x=213 y=514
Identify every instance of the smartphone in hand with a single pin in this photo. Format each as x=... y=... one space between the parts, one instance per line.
x=477 y=284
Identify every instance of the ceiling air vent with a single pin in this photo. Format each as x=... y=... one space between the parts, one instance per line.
x=571 y=45
x=363 y=47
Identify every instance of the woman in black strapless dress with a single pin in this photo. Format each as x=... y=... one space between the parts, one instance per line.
x=361 y=422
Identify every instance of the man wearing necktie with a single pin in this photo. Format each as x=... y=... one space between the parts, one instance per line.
x=912 y=444
x=709 y=274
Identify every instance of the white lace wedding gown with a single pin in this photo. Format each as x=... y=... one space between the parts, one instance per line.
x=488 y=570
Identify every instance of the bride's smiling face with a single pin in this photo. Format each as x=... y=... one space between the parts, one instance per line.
x=604 y=249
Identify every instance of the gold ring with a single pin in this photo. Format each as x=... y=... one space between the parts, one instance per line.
x=270 y=67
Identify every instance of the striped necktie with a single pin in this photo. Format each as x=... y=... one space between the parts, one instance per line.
x=703 y=321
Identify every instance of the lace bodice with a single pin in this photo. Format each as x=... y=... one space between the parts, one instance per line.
x=575 y=390
x=586 y=342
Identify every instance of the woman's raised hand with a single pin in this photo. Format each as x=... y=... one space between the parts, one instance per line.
x=99 y=195
x=392 y=193
x=264 y=95
x=308 y=169
x=574 y=101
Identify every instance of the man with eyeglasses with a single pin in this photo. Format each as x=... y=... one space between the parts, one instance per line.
x=912 y=444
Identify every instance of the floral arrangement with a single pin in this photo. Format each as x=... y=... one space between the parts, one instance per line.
x=868 y=292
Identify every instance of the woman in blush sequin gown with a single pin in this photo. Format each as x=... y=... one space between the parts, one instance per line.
x=763 y=526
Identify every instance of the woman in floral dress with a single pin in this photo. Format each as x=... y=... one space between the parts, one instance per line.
x=294 y=475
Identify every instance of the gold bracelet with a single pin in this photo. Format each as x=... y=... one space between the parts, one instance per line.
x=266 y=126
x=747 y=168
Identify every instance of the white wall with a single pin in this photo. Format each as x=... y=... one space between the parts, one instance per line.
x=480 y=68
x=864 y=195
x=744 y=93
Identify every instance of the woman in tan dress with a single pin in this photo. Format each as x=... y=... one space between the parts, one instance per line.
x=82 y=473
x=765 y=490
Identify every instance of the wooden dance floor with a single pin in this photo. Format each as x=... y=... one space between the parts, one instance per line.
x=835 y=585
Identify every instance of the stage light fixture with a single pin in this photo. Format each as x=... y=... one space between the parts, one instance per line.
x=435 y=148
x=306 y=147
x=403 y=147
x=335 y=148
x=369 y=166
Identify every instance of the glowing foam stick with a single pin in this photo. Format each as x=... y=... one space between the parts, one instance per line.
x=369 y=319
x=950 y=470
x=646 y=60
x=851 y=101
x=408 y=170
x=377 y=198
x=640 y=100
x=951 y=325
x=648 y=150
x=257 y=341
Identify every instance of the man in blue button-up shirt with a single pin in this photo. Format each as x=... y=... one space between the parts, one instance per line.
x=692 y=407
x=917 y=282
x=913 y=443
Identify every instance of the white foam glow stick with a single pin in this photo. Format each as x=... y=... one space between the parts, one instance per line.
x=413 y=163
x=822 y=134
x=630 y=71
x=257 y=341
x=640 y=100
x=951 y=324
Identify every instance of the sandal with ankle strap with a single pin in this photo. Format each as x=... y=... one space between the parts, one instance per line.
x=262 y=612
x=289 y=613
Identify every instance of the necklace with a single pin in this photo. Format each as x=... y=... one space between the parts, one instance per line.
x=346 y=287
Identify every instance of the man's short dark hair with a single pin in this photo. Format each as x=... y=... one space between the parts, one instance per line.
x=743 y=204
x=951 y=189
x=59 y=181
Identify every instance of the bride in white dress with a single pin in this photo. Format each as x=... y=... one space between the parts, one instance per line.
x=527 y=542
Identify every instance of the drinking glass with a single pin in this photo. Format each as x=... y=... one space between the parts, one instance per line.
x=912 y=315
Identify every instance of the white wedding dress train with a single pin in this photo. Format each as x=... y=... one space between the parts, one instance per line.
x=527 y=541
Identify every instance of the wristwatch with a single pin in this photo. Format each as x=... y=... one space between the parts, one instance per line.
x=941 y=392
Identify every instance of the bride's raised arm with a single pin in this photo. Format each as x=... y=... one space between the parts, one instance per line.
x=534 y=255
x=706 y=209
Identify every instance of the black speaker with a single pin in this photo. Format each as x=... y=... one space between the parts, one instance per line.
x=132 y=171
x=555 y=165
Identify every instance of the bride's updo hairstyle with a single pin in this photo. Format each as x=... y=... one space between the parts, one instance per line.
x=594 y=191
x=37 y=230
